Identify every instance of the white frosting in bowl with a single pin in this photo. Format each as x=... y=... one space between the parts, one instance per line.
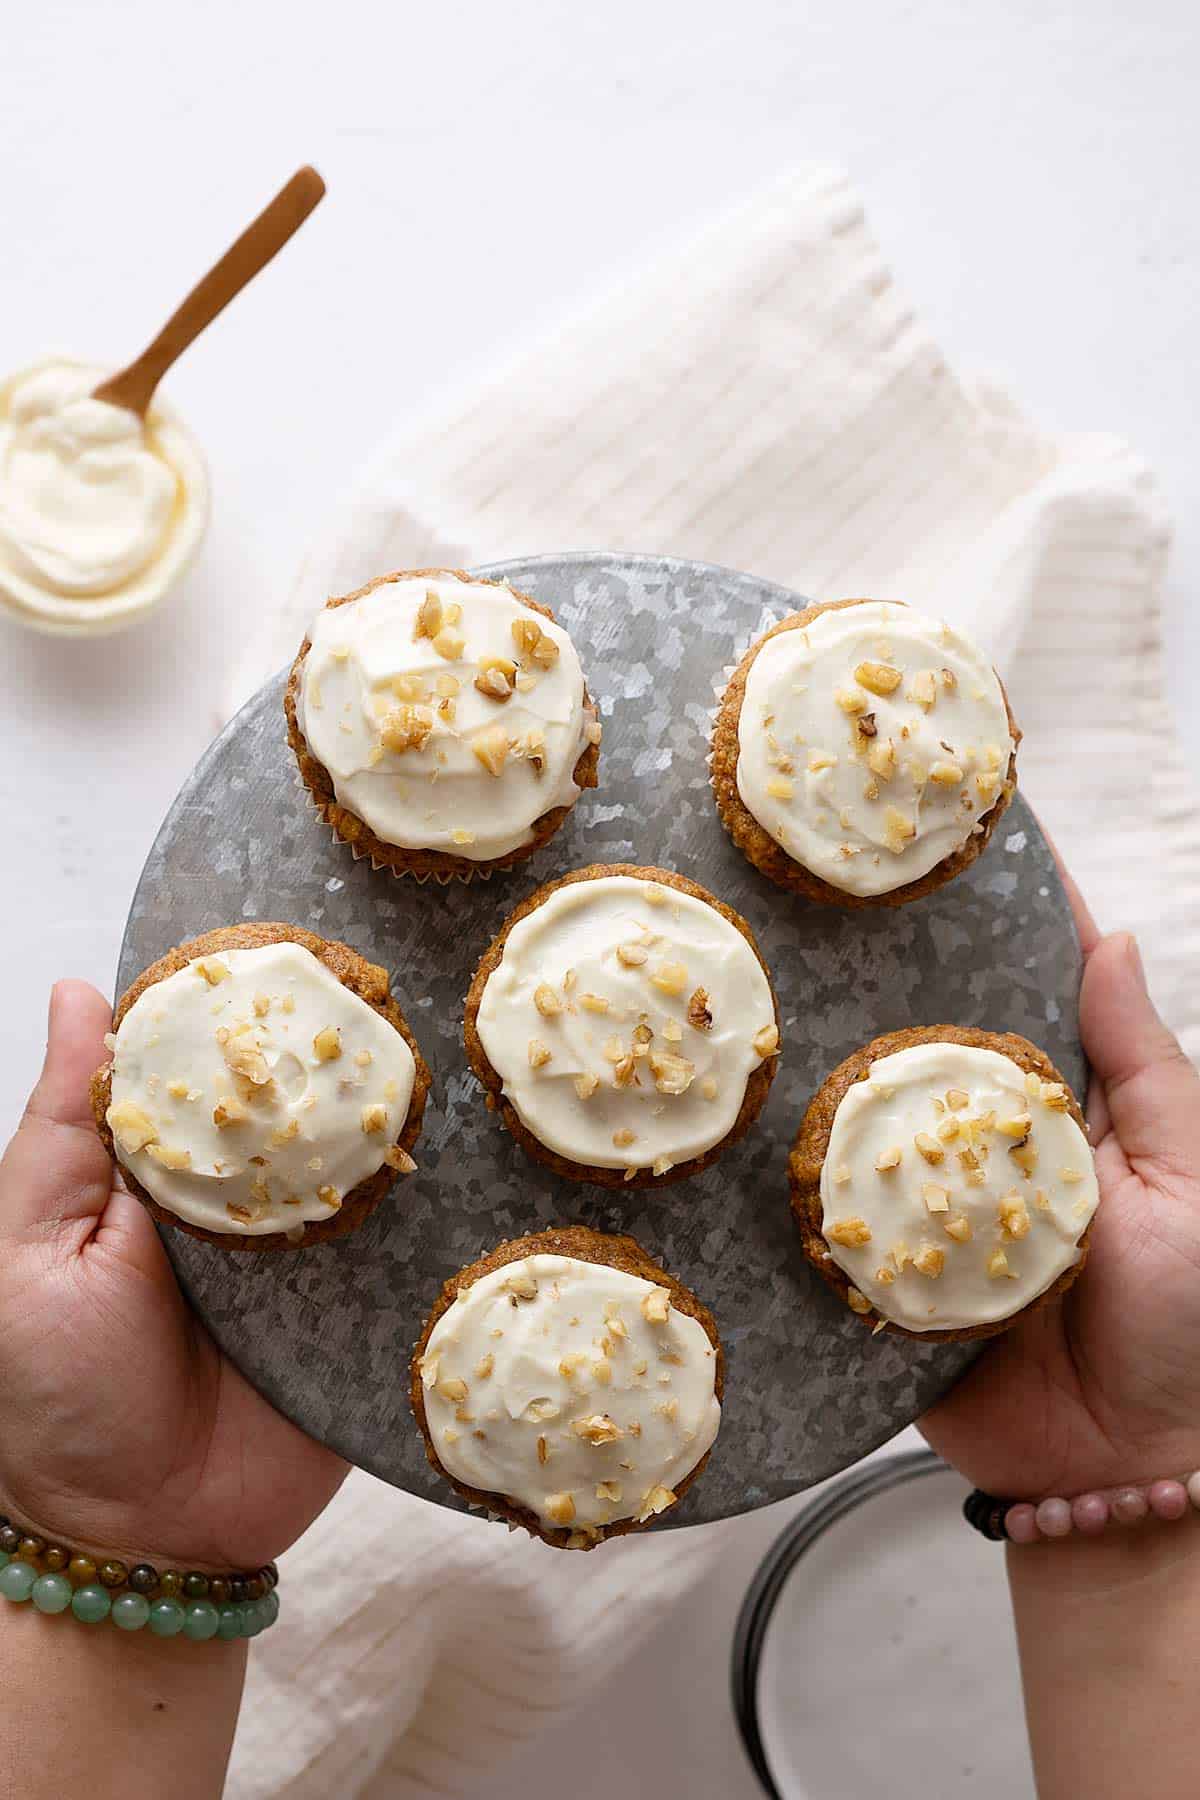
x=251 y=1091
x=449 y=715
x=572 y=1388
x=100 y=511
x=871 y=742
x=624 y=1020
x=956 y=1187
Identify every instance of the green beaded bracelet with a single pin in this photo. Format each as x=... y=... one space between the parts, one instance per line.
x=193 y=1606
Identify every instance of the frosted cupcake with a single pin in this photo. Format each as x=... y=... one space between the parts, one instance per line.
x=569 y=1384
x=264 y=1090
x=863 y=753
x=441 y=724
x=943 y=1182
x=624 y=1025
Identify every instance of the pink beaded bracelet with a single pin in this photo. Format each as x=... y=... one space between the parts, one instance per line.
x=1022 y=1522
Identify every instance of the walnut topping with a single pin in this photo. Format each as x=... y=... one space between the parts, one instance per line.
x=399 y=1159
x=533 y=644
x=929 y=1147
x=949 y=680
x=406 y=727
x=948 y=1130
x=856 y=1301
x=878 y=677
x=986 y=785
x=842 y=1173
x=408 y=686
x=374 y=1117
x=546 y=1000
x=1054 y=1095
x=699 y=1016
x=821 y=759
x=946 y=774
x=599 y=1429
x=452 y=1388
x=496 y=678
x=922 y=689
x=593 y=1003
x=586 y=1085
x=602 y=1372
x=327 y=1045
x=168 y=1158
x=429 y=616
x=957 y=1099
x=539 y=1055
x=560 y=1508
x=623 y=1137
x=1070 y=1176
x=1013 y=1215
x=898 y=829
x=936 y=1198
x=449 y=643
x=229 y=1110
x=885 y=1275
x=657 y=1500
x=1017 y=1127
x=179 y=1090
x=889 y=1159
x=521 y=1283
x=929 y=1261
x=850 y=701
x=672 y=1074
x=283 y=1134
x=213 y=970
x=656 y=1305
x=593 y=731
x=780 y=788
x=708 y=1087
x=608 y=1490
x=329 y=1196
x=491 y=748
x=288 y=1003
x=543 y=1450
x=958 y=1226
x=1041 y=1199
x=881 y=760
x=660 y=1165
x=1025 y=1156
x=766 y=1042
x=997 y=1265
x=672 y=1030
x=670 y=978
x=851 y=1232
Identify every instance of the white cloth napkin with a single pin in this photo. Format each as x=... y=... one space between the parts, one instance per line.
x=765 y=399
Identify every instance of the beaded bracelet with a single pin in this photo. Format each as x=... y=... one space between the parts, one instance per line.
x=195 y=1605
x=1021 y=1522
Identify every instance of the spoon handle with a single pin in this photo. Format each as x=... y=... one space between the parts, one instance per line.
x=133 y=386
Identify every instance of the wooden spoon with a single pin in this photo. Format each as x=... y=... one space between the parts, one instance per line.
x=133 y=386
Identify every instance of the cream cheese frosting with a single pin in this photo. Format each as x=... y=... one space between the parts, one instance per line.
x=252 y=1090
x=449 y=715
x=573 y=1388
x=100 y=510
x=956 y=1187
x=870 y=744
x=624 y=1019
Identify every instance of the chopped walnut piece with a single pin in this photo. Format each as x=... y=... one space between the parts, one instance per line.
x=594 y=1003
x=213 y=970
x=526 y=634
x=856 y=1301
x=842 y=1173
x=881 y=760
x=672 y=1030
x=821 y=759
x=406 y=727
x=878 y=677
x=936 y=1198
x=949 y=680
x=850 y=701
x=429 y=616
x=958 y=1226
x=779 y=788
x=929 y=1147
x=329 y=1196
x=656 y=1501
x=1041 y=1199
x=699 y=1015
x=539 y=1055
x=543 y=1450
x=283 y=1134
x=948 y=1130
x=608 y=1490
x=598 y=1429
x=374 y=1117
x=922 y=689
x=898 y=829
x=546 y=1000
x=407 y=686
x=851 y=1232
x=602 y=1372
x=957 y=1099
x=1025 y=1156
x=1013 y=1215
x=586 y=1085
x=884 y=1275
x=623 y=1137
x=1054 y=1095
x=1070 y=1176
x=491 y=748
x=449 y=643
x=656 y=1305
x=521 y=1283
x=632 y=955
x=229 y=1110
x=929 y=1261
x=660 y=1165
x=672 y=1074
x=399 y=1159
x=327 y=1045
x=889 y=1159
x=168 y=1158
x=946 y=774
x=997 y=1265
x=765 y=1042
x=625 y=1073
x=670 y=978
x=1017 y=1127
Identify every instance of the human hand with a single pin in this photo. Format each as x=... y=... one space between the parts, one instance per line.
x=1103 y=1389
x=125 y=1428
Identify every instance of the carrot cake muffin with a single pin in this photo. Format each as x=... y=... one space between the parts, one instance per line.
x=943 y=1181
x=569 y=1384
x=264 y=1088
x=441 y=724
x=624 y=1024
x=863 y=753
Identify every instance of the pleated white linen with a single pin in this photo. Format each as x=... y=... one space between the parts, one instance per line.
x=766 y=399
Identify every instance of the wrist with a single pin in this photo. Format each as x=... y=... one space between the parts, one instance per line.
x=1154 y=1551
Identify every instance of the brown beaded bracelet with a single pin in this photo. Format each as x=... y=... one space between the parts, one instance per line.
x=143 y=1578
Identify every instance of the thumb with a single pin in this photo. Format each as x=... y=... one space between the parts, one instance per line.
x=56 y=1169
x=1151 y=1089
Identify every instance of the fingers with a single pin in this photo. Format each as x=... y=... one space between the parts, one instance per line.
x=56 y=1169
x=1151 y=1091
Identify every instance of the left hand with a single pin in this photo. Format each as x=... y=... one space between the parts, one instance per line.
x=126 y=1430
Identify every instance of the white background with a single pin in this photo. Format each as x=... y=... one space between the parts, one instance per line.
x=1030 y=168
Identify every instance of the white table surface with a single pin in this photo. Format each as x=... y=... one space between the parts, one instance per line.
x=1030 y=170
